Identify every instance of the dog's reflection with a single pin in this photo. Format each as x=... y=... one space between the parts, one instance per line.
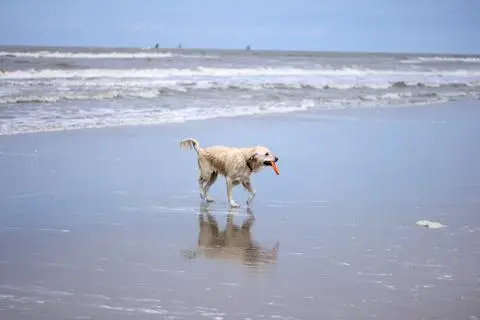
x=234 y=242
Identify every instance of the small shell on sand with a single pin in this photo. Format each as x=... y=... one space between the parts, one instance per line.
x=430 y=224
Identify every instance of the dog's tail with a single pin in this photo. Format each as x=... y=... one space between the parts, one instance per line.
x=190 y=143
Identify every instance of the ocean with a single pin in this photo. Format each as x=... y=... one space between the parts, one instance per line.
x=53 y=89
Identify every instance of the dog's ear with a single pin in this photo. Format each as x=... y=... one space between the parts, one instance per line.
x=253 y=155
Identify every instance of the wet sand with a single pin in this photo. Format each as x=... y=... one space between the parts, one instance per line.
x=108 y=223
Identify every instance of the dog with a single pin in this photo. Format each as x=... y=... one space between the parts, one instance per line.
x=234 y=243
x=235 y=164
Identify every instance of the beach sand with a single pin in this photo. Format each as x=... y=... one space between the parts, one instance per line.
x=105 y=223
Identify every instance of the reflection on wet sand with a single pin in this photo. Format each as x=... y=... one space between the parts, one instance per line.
x=234 y=242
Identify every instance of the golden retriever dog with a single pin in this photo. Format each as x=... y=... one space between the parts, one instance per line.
x=234 y=243
x=235 y=164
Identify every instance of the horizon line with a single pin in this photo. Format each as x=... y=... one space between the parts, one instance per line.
x=251 y=49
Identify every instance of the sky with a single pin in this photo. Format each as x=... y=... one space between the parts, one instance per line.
x=437 y=26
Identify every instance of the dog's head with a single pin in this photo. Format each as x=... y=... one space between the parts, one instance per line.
x=261 y=157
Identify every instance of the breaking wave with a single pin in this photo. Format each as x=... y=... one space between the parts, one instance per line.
x=226 y=72
x=100 y=55
x=134 y=117
x=109 y=95
x=151 y=91
x=443 y=59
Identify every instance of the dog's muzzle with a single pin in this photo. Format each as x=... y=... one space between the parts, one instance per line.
x=269 y=163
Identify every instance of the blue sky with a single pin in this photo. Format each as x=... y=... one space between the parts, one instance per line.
x=337 y=25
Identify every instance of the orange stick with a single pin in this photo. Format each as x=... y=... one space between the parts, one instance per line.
x=275 y=168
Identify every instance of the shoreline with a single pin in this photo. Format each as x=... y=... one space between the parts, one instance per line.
x=313 y=112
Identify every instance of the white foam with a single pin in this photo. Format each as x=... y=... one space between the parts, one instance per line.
x=150 y=54
x=387 y=96
x=151 y=93
x=226 y=72
x=55 y=85
x=30 y=195
x=158 y=310
x=169 y=271
x=108 y=95
x=430 y=224
x=133 y=117
x=51 y=230
x=87 y=55
x=443 y=59
x=51 y=87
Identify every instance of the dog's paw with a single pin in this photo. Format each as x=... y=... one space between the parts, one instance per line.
x=210 y=200
x=233 y=204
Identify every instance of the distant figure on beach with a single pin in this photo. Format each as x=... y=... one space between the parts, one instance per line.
x=156 y=46
x=234 y=242
x=247 y=48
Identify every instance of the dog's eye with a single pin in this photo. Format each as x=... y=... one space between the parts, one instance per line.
x=267 y=154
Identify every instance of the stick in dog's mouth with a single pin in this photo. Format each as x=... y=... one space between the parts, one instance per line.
x=273 y=165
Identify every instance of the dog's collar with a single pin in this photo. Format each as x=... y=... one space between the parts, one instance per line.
x=249 y=166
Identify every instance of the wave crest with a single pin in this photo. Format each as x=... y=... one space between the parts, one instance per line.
x=442 y=59
x=134 y=117
x=102 y=55
x=228 y=72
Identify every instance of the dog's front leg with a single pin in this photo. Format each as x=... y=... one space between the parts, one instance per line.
x=248 y=185
x=232 y=202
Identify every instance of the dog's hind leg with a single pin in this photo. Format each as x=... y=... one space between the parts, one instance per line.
x=210 y=182
x=203 y=176
x=201 y=181
x=248 y=185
